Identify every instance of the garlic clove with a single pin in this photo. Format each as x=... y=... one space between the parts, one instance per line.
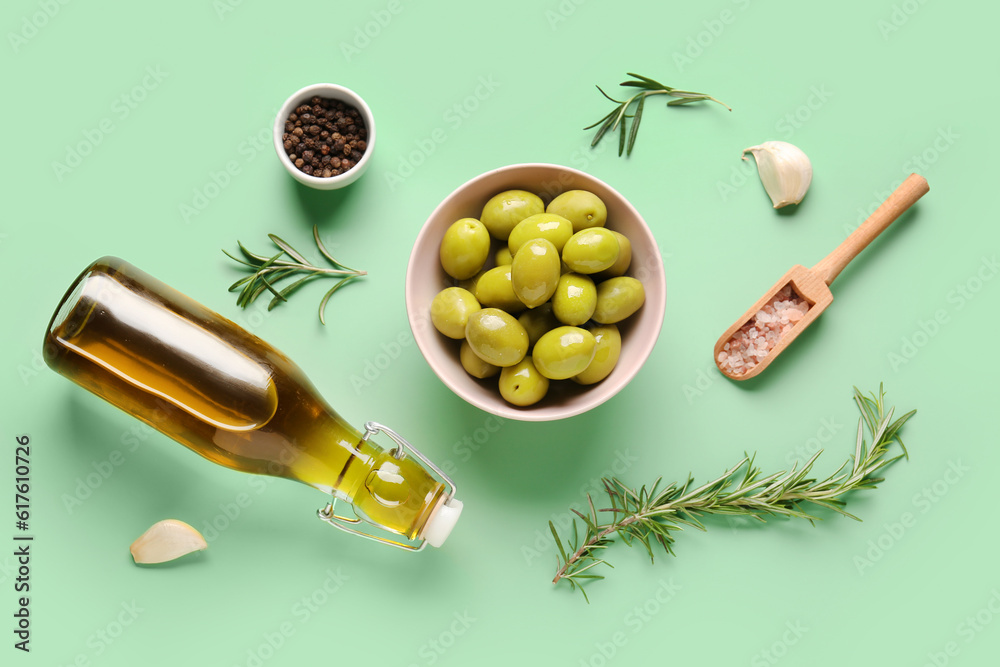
x=167 y=540
x=785 y=171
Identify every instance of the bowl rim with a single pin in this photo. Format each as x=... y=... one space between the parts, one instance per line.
x=500 y=408
x=333 y=91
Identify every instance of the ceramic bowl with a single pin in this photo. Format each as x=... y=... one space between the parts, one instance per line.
x=330 y=91
x=425 y=278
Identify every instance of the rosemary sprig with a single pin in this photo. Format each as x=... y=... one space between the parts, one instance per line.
x=651 y=515
x=268 y=271
x=618 y=119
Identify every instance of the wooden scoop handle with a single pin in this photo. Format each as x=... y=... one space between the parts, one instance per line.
x=912 y=189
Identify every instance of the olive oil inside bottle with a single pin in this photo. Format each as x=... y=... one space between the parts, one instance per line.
x=224 y=393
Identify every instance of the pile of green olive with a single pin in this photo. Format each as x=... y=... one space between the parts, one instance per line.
x=548 y=308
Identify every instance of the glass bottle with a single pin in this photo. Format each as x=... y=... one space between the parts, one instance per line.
x=229 y=396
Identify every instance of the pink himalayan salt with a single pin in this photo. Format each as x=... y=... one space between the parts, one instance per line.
x=757 y=337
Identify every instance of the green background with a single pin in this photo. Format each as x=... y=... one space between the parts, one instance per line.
x=870 y=90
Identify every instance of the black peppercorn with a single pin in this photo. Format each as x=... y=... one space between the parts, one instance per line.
x=325 y=137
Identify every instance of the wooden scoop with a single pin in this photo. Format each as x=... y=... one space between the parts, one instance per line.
x=812 y=285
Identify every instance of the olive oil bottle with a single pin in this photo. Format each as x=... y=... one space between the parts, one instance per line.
x=229 y=396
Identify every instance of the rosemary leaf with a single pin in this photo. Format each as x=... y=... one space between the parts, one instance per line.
x=239 y=283
x=257 y=259
x=326 y=253
x=342 y=282
x=686 y=100
x=286 y=291
x=650 y=516
x=635 y=125
x=651 y=83
x=620 y=115
x=289 y=250
x=244 y=263
x=269 y=271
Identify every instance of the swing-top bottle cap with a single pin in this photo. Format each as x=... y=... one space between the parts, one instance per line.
x=439 y=526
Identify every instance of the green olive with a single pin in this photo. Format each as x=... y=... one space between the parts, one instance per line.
x=473 y=365
x=575 y=299
x=620 y=267
x=522 y=384
x=450 y=311
x=465 y=248
x=563 y=352
x=469 y=284
x=495 y=290
x=534 y=272
x=583 y=209
x=606 y=353
x=549 y=226
x=508 y=208
x=503 y=257
x=496 y=337
x=538 y=321
x=617 y=298
x=591 y=250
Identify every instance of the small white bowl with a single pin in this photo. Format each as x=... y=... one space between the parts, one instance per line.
x=425 y=278
x=329 y=91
